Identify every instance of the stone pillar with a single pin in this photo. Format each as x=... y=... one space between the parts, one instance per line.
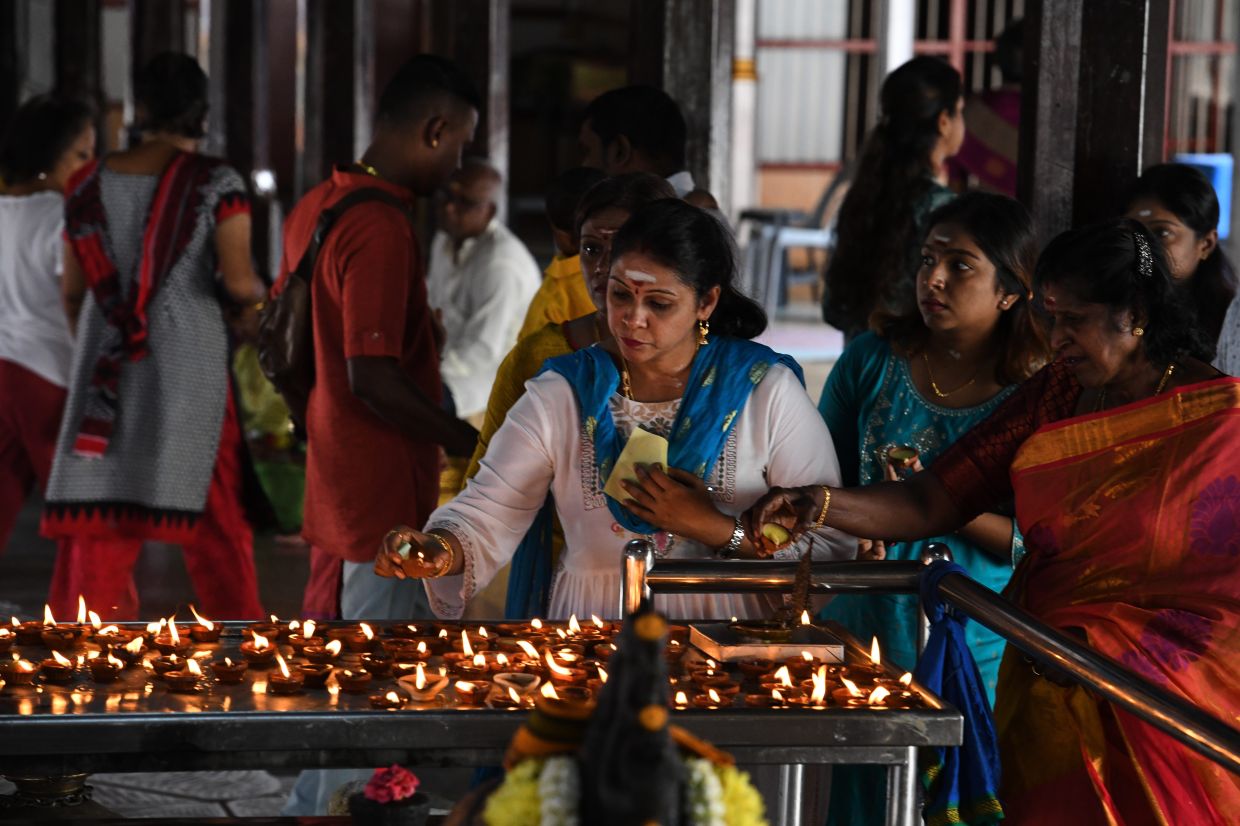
x=743 y=178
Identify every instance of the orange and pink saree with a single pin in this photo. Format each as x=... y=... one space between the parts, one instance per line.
x=1131 y=518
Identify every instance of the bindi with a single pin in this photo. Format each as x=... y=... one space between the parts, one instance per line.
x=943 y=239
x=640 y=277
x=1145 y=213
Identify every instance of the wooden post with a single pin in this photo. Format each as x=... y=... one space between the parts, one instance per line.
x=1093 y=106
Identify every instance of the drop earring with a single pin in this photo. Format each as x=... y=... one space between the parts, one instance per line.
x=1138 y=331
x=434 y=143
x=703 y=335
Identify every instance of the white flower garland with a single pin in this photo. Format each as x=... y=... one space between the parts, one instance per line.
x=559 y=792
x=705 y=794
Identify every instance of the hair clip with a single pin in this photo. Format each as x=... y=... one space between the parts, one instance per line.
x=1145 y=258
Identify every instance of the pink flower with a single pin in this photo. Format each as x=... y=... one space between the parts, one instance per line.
x=391 y=784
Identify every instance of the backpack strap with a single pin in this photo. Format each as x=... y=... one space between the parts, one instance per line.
x=329 y=216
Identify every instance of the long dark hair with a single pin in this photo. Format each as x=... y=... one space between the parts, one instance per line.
x=692 y=242
x=1003 y=231
x=41 y=131
x=629 y=192
x=876 y=221
x=1188 y=195
x=1100 y=264
x=171 y=93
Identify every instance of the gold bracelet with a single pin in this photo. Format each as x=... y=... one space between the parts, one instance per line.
x=259 y=306
x=447 y=546
x=826 y=503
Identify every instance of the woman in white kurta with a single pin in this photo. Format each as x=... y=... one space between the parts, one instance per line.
x=746 y=425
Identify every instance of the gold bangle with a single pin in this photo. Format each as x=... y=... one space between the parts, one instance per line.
x=826 y=503
x=258 y=306
x=447 y=546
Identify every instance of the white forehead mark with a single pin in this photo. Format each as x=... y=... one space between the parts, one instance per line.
x=638 y=275
x=1145 y=213
x=943 y=239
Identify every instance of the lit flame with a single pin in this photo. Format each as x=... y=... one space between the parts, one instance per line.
x=808 y=657
x=134 y=646
x=560 y=631
x=851 y=686
x=479 y=661
x=332 y=684
x=228 y=662
x=275 y=620
x=293 y=625
x=443 y=633
x=548 y=691
x=468 y=688
x=261 y=643
x=673 y=643
x=109 y=631
x=115 y=662
x=422 y=648
x=366 y=630
x=283 y=665
x=95 y=622
x=392 y=697
x=81 y=616
x=785 y=679
x=307 y=631
x=681 y=698
x=513 y=695
x=152 y=628
x=203 y=621
x=714 y=695
x=805 y=618
x=876 y=656
x=13 y=621
x=4 y=632
x=594 y=618
x=528 y=649
x=535 y=623
x=24 y=665
x=776 y=696
x=48 y=619
x=877 y=696
x=192 y=667
x=419 y=680
x=711 y=663
x=334 y=647
x=574 y=627
x=56 y=655
x=907 y=679
x=172 y=632
x=820 y=685
x=466 y=648
x=556 y=668
x=501 y=659
x=482 y=632
x=602 y=674
x=567 y=655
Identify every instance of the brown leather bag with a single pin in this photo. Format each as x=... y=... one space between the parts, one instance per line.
x=286 y=324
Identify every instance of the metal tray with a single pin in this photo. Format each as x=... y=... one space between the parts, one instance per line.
x=718 y=641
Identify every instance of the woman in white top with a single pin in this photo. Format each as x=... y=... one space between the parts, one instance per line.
x=47 y=141
x=735 y=414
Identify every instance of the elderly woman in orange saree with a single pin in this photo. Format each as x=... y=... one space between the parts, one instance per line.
x=1122 y=459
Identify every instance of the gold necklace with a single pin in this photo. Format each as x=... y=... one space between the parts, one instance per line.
x=934 y=385
x=369 y=170
x=626 y=383
x=1162 y=385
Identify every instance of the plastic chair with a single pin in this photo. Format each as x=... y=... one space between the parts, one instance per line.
x=773 y=232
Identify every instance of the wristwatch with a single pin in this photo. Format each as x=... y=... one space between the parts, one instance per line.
x=734 y=544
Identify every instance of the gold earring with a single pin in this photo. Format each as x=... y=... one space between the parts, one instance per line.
x=703 y=332
x=434 y=143
x=1138 y=331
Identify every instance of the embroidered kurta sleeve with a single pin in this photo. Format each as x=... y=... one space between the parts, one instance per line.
x=801 y=453
x=494 y=512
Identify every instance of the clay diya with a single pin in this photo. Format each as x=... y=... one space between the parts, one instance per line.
x=321 y=654
x=270 y=630
x=353 y=681
x=711 y=699
x=471 y=670
x=509 y=699
x=228 y=672
x=283 y=681
x=705 y=675
x=7 y=638
x=131 y=653
x=756 y=700
x=520 y=683
x=18 y=673
x=604 y=650
x=378 y=664
x=725 y=686
x=564 y=675
x=105 y=669
x=56 y=669
x=752 y=669
x=171 y=642
x=404 y=669
x=29 y=633
x=204 y=631
x=258 y=652
x=471 y=692
x=421 y=687
x=185 y=681
x=162 y=665
x=60 y=637
x=391 y=701
x=315 y=674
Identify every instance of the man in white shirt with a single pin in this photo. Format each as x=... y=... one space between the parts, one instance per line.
x=482 y=279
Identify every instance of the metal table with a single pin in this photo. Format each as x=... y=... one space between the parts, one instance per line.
x=138 y=725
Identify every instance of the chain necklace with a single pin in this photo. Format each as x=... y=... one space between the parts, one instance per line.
x=369 y=170
x=1162 y=385
x=934 y=385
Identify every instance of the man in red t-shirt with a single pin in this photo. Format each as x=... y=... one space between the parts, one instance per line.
x=374 y=421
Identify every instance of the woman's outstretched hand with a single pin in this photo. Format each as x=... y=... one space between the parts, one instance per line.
x=674 y=500
x=409 y=554
x=781 y=517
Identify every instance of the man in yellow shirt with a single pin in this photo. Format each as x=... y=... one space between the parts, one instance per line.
x=563 y=295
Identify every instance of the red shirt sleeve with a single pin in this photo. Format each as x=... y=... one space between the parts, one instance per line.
x=375 y=262
x=975 y=471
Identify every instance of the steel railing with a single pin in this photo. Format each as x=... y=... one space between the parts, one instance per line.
x=1195 y=728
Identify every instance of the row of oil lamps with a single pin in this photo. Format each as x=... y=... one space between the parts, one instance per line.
x=506 y=667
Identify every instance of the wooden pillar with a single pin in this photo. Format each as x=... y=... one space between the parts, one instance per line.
x=685 y=47
x=1093 y=107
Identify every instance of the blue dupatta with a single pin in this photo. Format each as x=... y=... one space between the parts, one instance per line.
x=724 y=374
x=961 y=782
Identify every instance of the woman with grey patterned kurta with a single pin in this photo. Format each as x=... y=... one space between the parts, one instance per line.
x=149 y=446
